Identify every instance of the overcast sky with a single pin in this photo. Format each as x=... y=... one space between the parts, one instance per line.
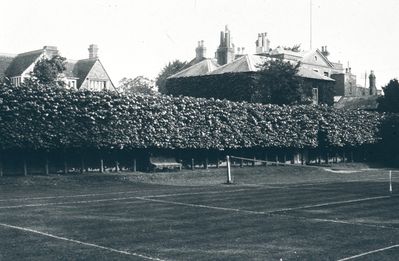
x=141 y=37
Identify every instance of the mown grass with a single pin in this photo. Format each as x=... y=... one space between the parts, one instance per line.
x=193 y=215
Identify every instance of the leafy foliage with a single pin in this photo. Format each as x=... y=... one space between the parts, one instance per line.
x=230 y=86
x=139 y=84
x=170 y=69
x=349 y=128
x=49 y=71
x=389 y=132
x=43 y=117
x=279 y=83
x=390 y=101
x=294 y=48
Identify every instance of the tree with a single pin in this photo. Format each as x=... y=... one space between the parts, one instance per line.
x=170 y=69
x=139 y=84
x=294 y=48
x=390 y=101
x=278 y=83
x=49 y=71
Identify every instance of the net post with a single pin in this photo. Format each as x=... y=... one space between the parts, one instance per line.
x=390 y=181
x=46 y=164
x=25 y=165
x=228 y=170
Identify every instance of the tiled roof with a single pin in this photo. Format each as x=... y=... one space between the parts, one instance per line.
x=21 y=62
x=362 y=103
x=192 y=62
x=69 y=65
x=5 y=61
x=251 y=63
x=198 y=69
x=82 y=68
x=246 y=63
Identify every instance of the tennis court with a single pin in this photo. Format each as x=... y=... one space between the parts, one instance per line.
x=269 y=213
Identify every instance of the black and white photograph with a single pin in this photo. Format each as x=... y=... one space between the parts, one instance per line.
x=181 y=130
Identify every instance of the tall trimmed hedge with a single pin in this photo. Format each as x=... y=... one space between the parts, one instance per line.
x=53 y=118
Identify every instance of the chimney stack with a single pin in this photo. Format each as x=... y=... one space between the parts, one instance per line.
x=200 y=51
x=226 y=51
x=50 y=51
x=93 y=51
x=324 y=51
x=373 y=87
x=262 y=44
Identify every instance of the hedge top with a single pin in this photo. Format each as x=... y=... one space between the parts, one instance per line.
x=46 y=117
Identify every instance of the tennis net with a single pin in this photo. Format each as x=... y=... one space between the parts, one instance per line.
x=350 y=178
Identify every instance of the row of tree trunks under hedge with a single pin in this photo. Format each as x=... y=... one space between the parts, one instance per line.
x=16 y=162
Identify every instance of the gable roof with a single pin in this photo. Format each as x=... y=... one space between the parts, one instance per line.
x=307 y=56
x=81 y=69
x=204 y=67
x=21 y=62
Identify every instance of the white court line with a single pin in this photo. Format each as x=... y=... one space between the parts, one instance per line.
x=201 y=206
x=67 y=203
x=199 y=193
x=329 y=204
x=270 y=213
x=82 y=243
x=316 y=184
x=116 y=199
x=258 y=212
x=368 y=253
x=82 y=195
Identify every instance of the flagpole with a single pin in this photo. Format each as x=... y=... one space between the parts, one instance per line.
x=310 y=17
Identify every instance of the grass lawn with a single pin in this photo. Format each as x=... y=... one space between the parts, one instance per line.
x=269 y=213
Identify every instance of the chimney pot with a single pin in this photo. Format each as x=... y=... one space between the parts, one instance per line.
x=200 y=51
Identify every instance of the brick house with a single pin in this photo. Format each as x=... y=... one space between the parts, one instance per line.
x=79 y=74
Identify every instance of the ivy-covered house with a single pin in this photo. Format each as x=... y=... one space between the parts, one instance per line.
x=237 y=80
x=79 y=74
x=232 y=73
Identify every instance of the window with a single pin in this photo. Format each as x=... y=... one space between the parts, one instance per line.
x=315 y=58
x=97 y=85
x=16 y=81
x=326 y=74
x=71 y=84
x=316 y=70
x=315 y=96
